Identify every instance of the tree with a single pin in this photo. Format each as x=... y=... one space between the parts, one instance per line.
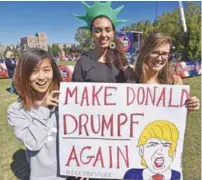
x=50 y=50
x=142 y=26
x=16 y=51
x=192 y=49
x=66 y=50
x=8 y=48
x=55 y=50
x=83 y=37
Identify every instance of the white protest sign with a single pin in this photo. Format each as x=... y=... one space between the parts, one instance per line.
x=117 y=131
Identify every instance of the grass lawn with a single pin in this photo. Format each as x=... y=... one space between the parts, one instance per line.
x=70 y=63
x=13 y=163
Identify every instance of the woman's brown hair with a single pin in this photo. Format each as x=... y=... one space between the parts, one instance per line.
x=154 y=40
x=24 y=69
x=114 y=56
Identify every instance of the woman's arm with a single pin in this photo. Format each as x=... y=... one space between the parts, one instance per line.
x=31 y=127
x=192 y=103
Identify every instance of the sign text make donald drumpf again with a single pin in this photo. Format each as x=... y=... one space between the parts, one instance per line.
x=100 y=124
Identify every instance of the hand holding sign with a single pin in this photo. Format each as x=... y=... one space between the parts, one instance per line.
x=51 y=99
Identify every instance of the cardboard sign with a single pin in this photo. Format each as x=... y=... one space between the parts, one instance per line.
x=121 y=131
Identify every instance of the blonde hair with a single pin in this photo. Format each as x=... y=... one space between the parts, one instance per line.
x=152 y=42
x=160 y=129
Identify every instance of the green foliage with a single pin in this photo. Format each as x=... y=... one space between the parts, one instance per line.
x=193 y=38
x=67 y=50
x=83 y=37
x=16 y=52
x=142 y=26
x=8 y=48
x=54 y=50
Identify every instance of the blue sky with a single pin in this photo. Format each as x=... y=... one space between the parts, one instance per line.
x=19 y=19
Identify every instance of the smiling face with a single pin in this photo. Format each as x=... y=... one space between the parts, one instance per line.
x=156 y=154
x=41 y=77
x=102 y=32
x=158 y=58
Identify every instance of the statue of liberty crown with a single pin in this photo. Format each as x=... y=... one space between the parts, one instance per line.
x=100 y=9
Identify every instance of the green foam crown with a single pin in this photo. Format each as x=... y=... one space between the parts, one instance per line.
x=100 y=9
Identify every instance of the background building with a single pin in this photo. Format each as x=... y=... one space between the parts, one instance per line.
x=39 y=41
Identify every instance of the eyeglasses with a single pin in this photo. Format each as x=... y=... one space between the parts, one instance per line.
x=164 y=55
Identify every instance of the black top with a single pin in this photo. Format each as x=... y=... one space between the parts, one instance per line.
x=88 y=69
x=10 y=65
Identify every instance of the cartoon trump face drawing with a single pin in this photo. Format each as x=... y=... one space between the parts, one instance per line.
x=157 y=146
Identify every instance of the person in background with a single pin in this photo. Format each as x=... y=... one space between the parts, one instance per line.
x=154 y=66
x=34 y=115
x=105 y=62
x=10 y=62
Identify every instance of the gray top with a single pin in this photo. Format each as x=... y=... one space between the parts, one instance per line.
x=37 y=129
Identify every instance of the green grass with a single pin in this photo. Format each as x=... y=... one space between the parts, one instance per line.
x=70 y=63
x=12 y=156
x=13 y=164
x=192 y=143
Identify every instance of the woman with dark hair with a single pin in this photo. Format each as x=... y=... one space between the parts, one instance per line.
x=105 y=62
x=34 y=116
x=154 y=65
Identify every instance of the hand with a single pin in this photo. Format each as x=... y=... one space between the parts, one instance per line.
x=193 y=103
x=51 y=99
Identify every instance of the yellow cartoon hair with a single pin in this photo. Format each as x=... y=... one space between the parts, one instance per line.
x=160 y=129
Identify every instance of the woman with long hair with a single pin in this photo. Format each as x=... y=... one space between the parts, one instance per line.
x=106 y=61
x=34 y=115
x=154 y=65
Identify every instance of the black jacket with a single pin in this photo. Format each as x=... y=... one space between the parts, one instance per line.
x=10 y=64
x=88 y=69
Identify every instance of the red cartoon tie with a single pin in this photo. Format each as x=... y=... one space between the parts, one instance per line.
x=158 y=177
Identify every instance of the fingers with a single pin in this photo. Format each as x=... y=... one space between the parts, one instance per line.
x=193 y=103
x=51 y=99
x=55 y=93
x=54 y=101
x=52 y=104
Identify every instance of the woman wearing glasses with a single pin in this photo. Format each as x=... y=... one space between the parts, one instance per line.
x=154 y=65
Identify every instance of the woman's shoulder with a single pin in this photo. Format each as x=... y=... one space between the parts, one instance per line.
x=85 y=56
x=17 y=108
x=17 y=105
x=84 y=60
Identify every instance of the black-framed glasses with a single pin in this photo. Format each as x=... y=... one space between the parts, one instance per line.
x=164 y=55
